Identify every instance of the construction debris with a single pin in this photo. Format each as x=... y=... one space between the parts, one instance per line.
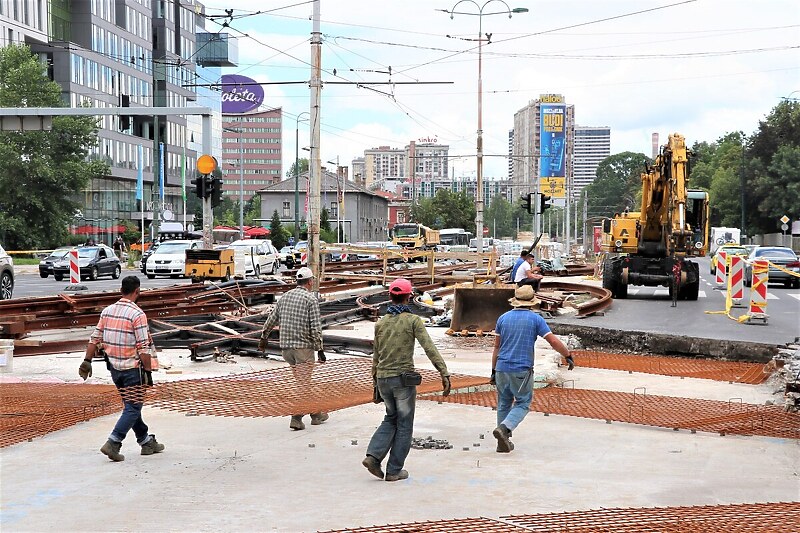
x=429 y=443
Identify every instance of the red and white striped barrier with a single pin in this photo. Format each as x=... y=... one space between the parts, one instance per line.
x=304 y=258
x=722 y=263
x=74 y=269
x=735 y=273
x=758 y=292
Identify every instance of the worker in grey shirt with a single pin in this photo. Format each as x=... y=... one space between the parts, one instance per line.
x=297 y=314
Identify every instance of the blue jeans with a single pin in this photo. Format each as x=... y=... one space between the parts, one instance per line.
x=394 y=434
x=131 y=417
x=514 y=396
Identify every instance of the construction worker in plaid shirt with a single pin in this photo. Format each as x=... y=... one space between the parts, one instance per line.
x=130 y=356
x=297 y=314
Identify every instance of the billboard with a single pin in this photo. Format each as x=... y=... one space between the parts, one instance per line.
x=240 y=94
x=553 y=141
x=554 y=187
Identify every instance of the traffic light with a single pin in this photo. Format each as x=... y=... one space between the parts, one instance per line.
x=526 y=202
x=543 y=199
x=215 y=186
x=200 y=186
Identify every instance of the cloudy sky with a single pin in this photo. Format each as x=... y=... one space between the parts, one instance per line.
x=698 y=67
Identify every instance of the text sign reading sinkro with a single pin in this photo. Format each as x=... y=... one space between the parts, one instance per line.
x=240 y=94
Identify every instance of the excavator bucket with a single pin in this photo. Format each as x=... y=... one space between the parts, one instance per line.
x=476 y=308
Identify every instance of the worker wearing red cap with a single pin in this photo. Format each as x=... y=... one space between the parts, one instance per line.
x=396 y=382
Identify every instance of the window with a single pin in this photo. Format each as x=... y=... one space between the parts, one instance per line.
x=286 y=209
x=334 y=209
x=401 y=217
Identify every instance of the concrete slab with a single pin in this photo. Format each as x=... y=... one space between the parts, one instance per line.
x=237 y=474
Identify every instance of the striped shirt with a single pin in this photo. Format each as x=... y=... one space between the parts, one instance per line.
x=122 y=332
x=297 y=313
x=518 y=330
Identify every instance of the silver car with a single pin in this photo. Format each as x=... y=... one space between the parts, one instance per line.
x=779 y=256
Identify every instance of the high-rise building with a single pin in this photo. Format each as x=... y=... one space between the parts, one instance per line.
x=120 y=53
x=543 y=149
x=251 y=151
x=592 y=145
x=390 y=169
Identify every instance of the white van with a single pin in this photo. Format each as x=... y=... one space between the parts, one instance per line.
x=254 y=257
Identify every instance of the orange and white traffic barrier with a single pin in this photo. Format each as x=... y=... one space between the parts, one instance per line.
x=74 y=269
x=735 y=273
x=758 y=292
x=304 y=258
x=722 y=263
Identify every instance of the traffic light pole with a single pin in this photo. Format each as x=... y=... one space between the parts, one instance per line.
x=208 y=221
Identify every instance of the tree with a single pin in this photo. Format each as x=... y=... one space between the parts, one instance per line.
x=499 y=218
x=252 y=210
x=303 y=167
x=41 y=172
x=227 y=213
x=618 y=184
x=324 y=222
x=277 y=233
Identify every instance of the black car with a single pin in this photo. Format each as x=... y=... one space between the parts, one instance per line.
x=93 y=262
x=46 y=264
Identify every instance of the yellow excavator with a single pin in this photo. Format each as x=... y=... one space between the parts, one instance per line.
x=652 y=246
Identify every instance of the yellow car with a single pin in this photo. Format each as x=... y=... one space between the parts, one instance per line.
x=730 y=249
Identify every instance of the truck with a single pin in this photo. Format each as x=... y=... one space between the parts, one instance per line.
x=654 y=246
x=415 y=237
x=720 y=236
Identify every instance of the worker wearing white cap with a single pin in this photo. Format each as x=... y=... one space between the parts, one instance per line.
x=297 y=313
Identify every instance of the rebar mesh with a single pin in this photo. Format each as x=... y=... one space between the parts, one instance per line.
x=30 y=410
x=734 y=416
x=737 y=372
x=781 y=517
x=330 y=386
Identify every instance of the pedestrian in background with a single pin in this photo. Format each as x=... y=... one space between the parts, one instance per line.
x=123 y=336
x=528 y=273
x=512 y=362
x=120 y=247
x=521 y=259
x=395 y=381
x=297 y=313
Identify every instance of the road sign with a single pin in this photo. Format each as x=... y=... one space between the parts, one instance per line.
x=553 y=187
x=784 y=220
x=784 y=227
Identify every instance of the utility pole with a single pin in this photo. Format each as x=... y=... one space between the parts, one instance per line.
x=315 y=165
x=585 y=210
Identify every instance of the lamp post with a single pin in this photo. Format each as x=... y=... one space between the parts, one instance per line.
x=297 y=176
x=339 y=201
x=479 y=186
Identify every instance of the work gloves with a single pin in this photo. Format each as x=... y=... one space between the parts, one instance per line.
x=321 y=356
x=262 y=344
x=445 y=385
x=493 y=379
x=570 y=362
x=85 y=370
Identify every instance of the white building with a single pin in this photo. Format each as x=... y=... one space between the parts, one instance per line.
x=592 y=145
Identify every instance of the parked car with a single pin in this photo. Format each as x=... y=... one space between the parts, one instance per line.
x=93 y=262
x=254 y=257
x=286 y=255
x=169 y=259
x=46 y=264
x=6 y=275
x=730 y=249
x=777 y=255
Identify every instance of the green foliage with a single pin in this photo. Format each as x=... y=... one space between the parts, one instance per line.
x=227 y=213
x=499 y=217
x=618 y=184
x=40 y=172
x=252 y=210
x=303 y=166
x=328 y=236
x=447 y=209
x=324 y=223
x=278 y=235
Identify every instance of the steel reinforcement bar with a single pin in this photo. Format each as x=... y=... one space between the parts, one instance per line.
x=781 y=517
x=731 y=417
x=731 y=371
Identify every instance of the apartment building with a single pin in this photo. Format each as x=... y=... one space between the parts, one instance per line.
x=592 y=145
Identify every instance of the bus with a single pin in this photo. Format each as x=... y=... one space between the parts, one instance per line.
x=454 y=239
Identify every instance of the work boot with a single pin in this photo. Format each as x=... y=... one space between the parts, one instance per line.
x=297 y=423
x=111 y=450
x=502 y=434
x=318 y=418
x=374 y=467
x=152 y=446
x=403 y=474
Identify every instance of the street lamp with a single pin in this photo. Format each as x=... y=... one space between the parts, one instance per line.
x=297 y=175
x=479 y=186
x=339 y=201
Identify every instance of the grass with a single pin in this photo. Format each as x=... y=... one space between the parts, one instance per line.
x=26 y=261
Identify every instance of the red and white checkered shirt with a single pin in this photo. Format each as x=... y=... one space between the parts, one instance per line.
x=122 y=332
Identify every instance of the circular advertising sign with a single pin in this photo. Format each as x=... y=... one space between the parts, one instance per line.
x=240 y=94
